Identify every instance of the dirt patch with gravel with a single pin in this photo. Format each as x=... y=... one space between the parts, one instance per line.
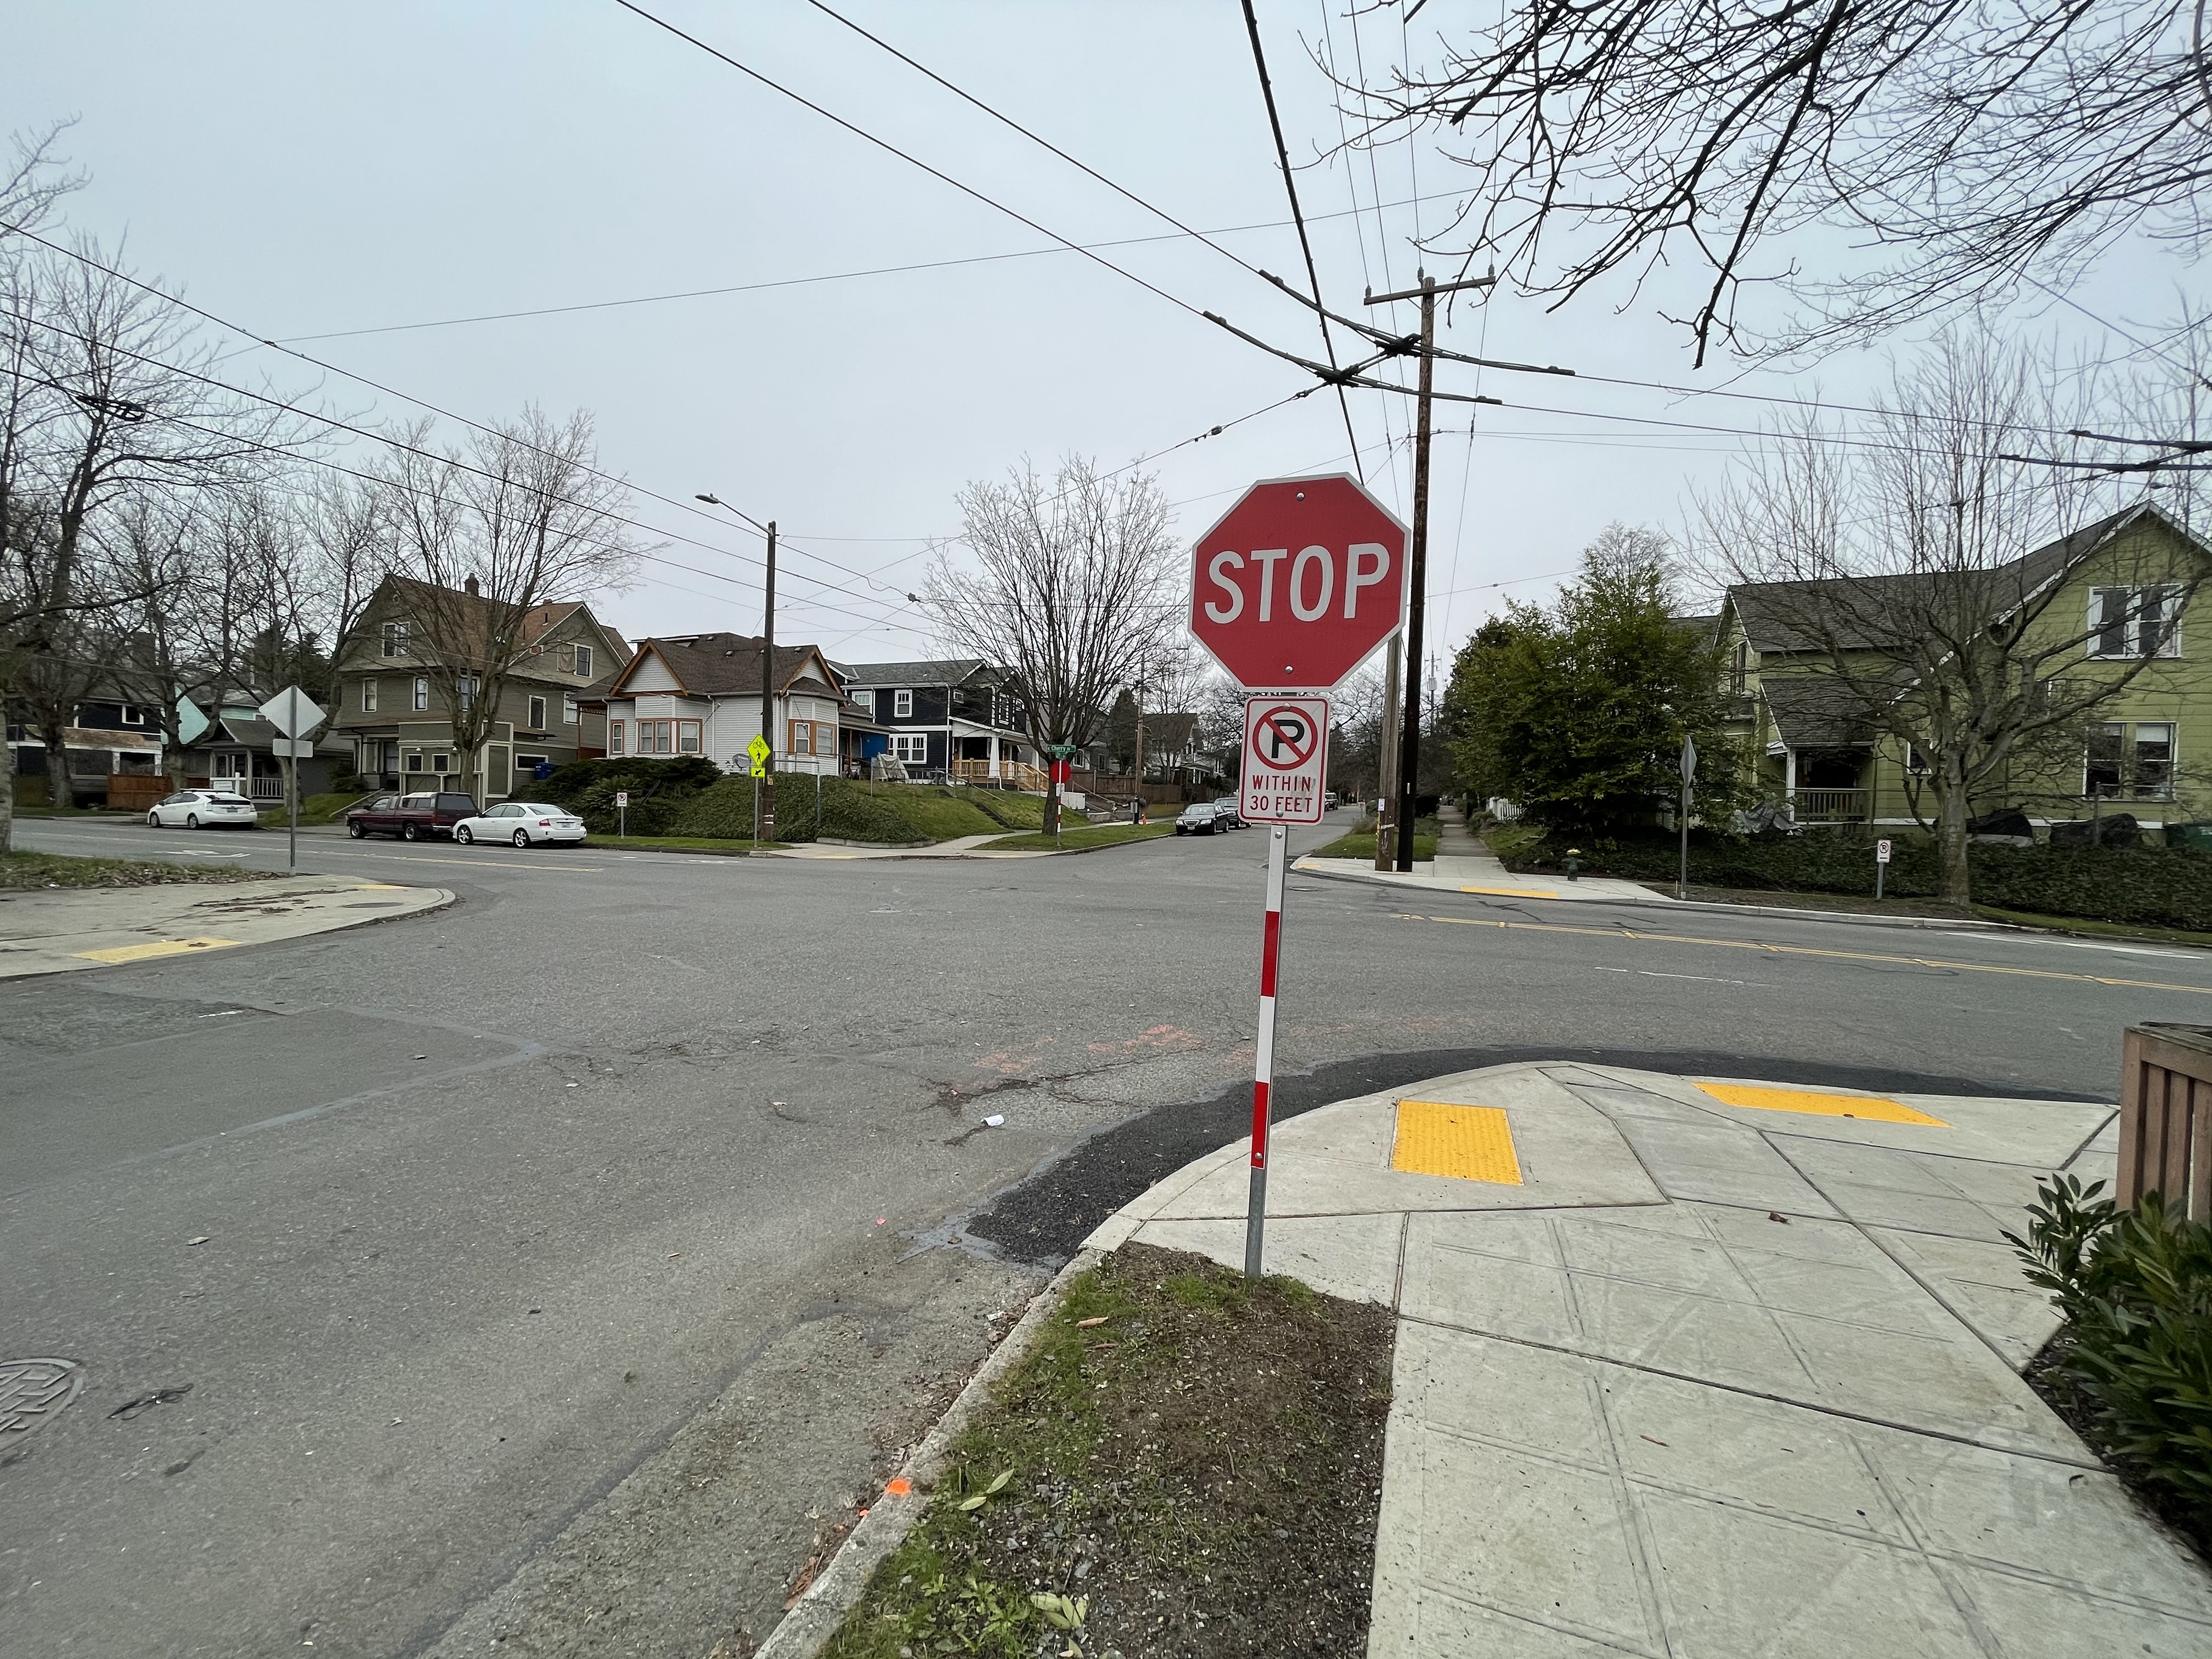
x=1183 y=1466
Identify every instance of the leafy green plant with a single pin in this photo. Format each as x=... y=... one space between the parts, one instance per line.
x=2135 y=1287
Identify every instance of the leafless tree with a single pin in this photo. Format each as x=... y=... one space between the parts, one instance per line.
x=1970 y=144
x=1915 y=577
x=351 y=541
x=485 y=535
x=1072 y=587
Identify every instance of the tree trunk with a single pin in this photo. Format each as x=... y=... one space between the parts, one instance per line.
x=7 y=784
x=61 y=786
x=1951 y=838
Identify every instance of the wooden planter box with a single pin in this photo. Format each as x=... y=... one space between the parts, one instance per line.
x=2165 y=1117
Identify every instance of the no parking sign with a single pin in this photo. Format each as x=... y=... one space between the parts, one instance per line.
x=1285 y=760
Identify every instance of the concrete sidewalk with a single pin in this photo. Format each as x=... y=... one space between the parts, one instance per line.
x=1707 y=1368
x=68 y=929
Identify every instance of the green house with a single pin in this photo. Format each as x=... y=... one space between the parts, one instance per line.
x=1808 y=664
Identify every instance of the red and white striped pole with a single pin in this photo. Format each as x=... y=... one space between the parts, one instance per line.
x=1263 y=1058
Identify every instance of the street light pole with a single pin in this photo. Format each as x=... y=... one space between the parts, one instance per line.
x=763 y=786
x=1409 y=750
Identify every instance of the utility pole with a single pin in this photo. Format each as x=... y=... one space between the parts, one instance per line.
x=1386 y=759
x=1409 y=753
x=1137 y=693
x=764 y=787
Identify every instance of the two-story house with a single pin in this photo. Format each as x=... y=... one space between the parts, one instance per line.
x=108 y=738
x=700 y=694
x=2103 y=602
x=957 y=719
x=393 y=711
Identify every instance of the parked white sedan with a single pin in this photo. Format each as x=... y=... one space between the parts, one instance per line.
x=522 y=822
x=203 y=809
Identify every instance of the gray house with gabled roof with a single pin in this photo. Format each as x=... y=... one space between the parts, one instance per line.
x=955 y=718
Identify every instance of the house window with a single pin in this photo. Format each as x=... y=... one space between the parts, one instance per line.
x=1916 y=763
x=528 y=766
x=1740 y=668
x=865 y=697
x=537 y=713
x=441 y=762
x=567 y=708
x=398 y=639
x=413 y=761
x=825 y=738
x=133 y=715
x=659 y=736
x=801 y=739
x=901 y=705
x=422 y=694
x=912 y=748
x=584 y=660
x=2136 y=622
x=614 y=737
x=687 y=736
x=2135 y=760
x=368 y=695
x=466 y=686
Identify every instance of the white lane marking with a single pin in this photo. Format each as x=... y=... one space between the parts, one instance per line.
x=1708 y=979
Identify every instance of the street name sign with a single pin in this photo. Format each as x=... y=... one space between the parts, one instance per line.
x=1283 y=776
x=292 y=712
x=1298 y=583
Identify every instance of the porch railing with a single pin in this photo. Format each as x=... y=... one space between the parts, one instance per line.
x=1013 y=774
x=1832 y=805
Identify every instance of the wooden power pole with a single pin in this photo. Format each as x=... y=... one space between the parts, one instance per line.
x=766 y=783
x=1409 y=749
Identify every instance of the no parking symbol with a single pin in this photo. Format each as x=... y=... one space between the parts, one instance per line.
x=1285 y=760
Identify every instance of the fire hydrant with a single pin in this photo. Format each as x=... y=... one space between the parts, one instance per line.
x=1574 y=864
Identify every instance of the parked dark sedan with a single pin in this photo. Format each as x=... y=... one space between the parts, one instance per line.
x=410 y=817
x=1203 y=819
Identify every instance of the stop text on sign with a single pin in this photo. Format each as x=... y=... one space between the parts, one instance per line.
x=1310 y=587
x=1298 y=582
x=1285 y=760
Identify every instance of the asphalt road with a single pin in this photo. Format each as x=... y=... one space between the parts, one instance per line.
x=566 y=1273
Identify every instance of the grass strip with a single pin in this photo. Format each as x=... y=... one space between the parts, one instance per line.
x=33 y=872
x=1071 y=841
x=1183 y=1463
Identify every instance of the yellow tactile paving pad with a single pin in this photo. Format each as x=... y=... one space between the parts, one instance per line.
x=1871 y=1108
x=1468 y=1143
x=167 y=947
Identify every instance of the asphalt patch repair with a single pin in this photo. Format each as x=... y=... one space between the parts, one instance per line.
x=1184 y=1466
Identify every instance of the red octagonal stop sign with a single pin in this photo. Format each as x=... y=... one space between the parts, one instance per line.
x=1298 y=582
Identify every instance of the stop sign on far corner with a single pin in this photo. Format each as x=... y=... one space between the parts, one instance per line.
x=1298 y=582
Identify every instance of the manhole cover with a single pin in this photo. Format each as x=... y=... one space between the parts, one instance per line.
x=33 y=1390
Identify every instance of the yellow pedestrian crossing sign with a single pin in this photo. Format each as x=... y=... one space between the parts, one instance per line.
x=758 y=751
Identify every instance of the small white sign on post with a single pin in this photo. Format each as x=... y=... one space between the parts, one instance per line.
x=1881 y=852
x=1285 y=761
x=622 y=797
x=292 y=748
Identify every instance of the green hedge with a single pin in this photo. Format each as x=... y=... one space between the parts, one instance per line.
x=2149 y=886
x=2136 y=1288
x=691 y=796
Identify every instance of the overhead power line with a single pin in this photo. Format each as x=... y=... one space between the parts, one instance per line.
x=1298 y=218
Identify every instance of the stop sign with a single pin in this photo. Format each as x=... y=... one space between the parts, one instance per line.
x=1298 y=582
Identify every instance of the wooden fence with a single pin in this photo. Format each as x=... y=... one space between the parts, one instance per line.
x=134 y=792
x=2165 y=1117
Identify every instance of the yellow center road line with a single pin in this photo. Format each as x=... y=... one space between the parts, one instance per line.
x=1512 y=892
x=1809 y=950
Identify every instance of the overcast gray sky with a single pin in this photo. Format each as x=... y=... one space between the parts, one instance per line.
x=331 y=171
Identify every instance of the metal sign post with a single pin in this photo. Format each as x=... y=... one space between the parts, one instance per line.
x=1689 y=772
x=1280 y=775
x=294 y=714
x=1880 y=865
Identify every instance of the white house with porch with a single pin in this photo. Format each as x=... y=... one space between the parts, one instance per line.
x=700 y=694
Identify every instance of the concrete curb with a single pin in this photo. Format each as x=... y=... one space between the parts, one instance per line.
x=1657 y=902
x=816 y=1614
